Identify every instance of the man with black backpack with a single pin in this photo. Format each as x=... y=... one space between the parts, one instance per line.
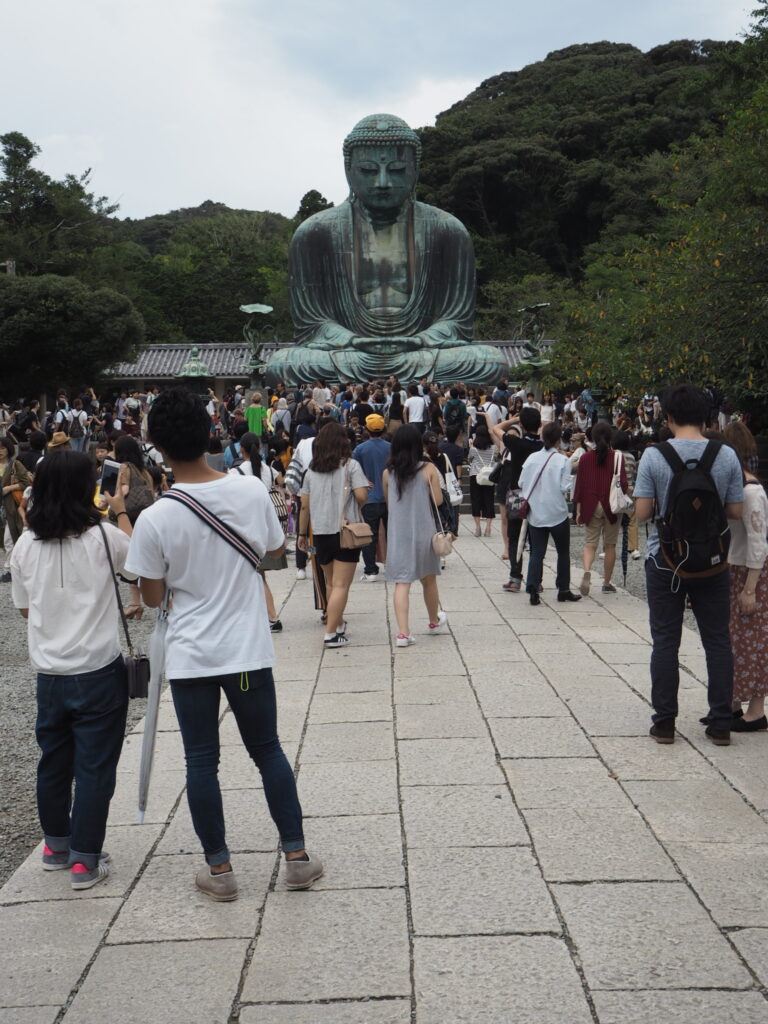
x=692 y=487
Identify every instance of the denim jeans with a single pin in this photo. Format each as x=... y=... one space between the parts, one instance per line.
x=374 y=512
x=514 y=527
x=301 y=556
x=251 y=696
x=538 y=537
x=77 y=444
x=710 y=602
x=80 y=729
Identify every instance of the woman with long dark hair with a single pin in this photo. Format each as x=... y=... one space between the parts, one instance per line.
x=481 y=453
x=334 y=488
x=139 y=490
x=254 y=465
x=413 y=492
x=395 y=416
x=592 y=497
x=64 y=588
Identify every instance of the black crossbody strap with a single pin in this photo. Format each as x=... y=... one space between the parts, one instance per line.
x=117 y=589
x=227 y=533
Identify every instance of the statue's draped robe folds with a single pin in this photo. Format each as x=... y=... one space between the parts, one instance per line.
x=337 y=336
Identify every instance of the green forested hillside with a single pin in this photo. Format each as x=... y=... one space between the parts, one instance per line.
x=623 y=188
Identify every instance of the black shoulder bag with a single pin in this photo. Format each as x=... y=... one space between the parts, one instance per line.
x=136 y=661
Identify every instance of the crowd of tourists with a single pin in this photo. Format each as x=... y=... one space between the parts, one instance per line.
x=331 y=475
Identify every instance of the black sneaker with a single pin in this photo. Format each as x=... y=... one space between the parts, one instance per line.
x=567 y=595
x=720 y=737
x=340 y=640
x=534 y=598
x=663 y=732
x=5 y=577
x=276 y=626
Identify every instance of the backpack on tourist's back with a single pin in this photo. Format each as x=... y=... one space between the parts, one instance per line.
x=694 y=535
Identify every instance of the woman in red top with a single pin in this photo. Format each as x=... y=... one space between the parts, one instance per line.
x=591 y=496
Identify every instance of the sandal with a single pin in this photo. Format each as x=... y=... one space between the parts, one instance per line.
x=134 y=611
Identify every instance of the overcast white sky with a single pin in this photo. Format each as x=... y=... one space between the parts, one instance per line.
x=171 y=103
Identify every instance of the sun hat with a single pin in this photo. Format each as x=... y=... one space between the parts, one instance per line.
x=59 y=439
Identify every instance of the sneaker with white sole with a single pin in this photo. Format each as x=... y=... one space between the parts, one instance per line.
x=55 y=860
x=301 y=874
x=440 y=626
x=337 y=640
x=369 y=577
x=221 y=886
x=636 y=554
x=301 y=574
x=86 y=878
x=403 y=640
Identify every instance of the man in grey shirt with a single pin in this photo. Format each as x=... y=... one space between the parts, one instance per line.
x=685 y=409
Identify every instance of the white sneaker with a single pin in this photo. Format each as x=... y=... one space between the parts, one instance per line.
x=301 y=574
x=636 y=554
x=369 y=578
x=601 y=555
x=403 y=640
x=440 y=626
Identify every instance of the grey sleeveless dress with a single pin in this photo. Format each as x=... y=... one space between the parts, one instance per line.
x=410 y=528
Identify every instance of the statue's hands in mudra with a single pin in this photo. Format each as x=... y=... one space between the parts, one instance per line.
x=386 y=346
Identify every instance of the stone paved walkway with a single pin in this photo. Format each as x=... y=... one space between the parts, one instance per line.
x=503 y=842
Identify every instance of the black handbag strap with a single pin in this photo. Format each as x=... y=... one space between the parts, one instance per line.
x=227 y=533
x=117 y=589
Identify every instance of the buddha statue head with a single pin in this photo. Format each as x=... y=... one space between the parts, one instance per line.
x=381 y=160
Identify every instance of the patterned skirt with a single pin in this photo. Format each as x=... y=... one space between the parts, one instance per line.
x=749 y=638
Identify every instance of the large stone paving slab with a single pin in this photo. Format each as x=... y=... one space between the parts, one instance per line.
x=361 y=851
x=357 y=787
x=681 y=1007
x=128 y=846
x=331 y=945
x=540 y=737
x=434 y=690
x=641 y=759
x=29 y=1015
x=647 y=935
x=372 y=706
x=460 y=762
x=624 y=714
x=385 y=1011
x=172 y=982
x=519 y=698
x=697 y=810
x=569 y=782
x=166 y=904
x=348 y=741
x=461 y=891
x=34 y=934
x=752 y=943
x=461 y=816
x=435 y=721
x=487 y=980
x=596 y=843
x=729 y=877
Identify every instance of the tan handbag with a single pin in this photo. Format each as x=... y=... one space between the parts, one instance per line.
x=442 y=542
x=352 y=535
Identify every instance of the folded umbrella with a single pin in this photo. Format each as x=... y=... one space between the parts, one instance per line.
x=157 y=671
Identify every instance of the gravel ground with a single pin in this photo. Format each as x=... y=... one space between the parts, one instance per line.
x=19 y=827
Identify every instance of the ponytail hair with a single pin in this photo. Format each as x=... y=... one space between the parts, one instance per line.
x=602 y=433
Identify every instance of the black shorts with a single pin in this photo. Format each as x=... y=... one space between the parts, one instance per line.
x=328 y=549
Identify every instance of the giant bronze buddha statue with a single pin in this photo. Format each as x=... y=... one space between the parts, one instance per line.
x=383 y=284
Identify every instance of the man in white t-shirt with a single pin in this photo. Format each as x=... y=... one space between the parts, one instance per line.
x=172 y=547
x=416 y=409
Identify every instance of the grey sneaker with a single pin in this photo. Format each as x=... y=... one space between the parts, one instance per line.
x=55 y=860
x=84 y=878
x=221 y=887
x=302 y=874
x=586 y=580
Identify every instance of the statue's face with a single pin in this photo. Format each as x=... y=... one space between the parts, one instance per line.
x=382 y=177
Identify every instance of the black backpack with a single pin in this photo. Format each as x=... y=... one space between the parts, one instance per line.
x=76 y=424
x=694 y=535
x=453 y=414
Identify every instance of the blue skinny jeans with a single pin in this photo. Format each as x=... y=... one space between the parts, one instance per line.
x=251 y=696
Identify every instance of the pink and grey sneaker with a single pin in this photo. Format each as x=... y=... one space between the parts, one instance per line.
x=404 y=641
x=440 y=626
x=55 y=860
x=85 y=878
